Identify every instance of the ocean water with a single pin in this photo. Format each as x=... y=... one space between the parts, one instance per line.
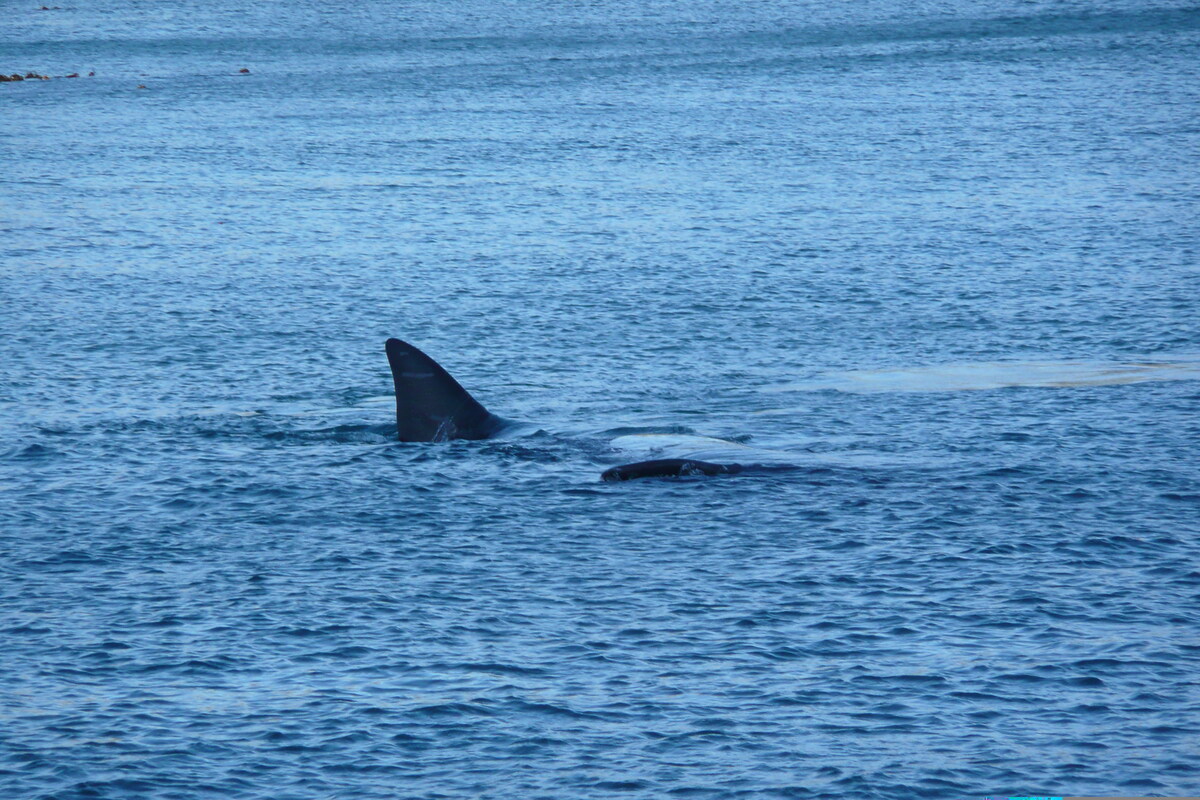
x=942 y=259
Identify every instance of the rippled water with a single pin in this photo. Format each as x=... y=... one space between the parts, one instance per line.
x=941 y=262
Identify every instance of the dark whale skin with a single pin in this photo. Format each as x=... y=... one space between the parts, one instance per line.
x=668 y=468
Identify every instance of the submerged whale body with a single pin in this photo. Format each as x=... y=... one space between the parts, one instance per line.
x=433 y=407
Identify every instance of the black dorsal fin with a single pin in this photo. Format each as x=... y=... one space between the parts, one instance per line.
x=430 y=405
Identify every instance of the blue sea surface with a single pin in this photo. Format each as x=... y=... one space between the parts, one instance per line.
x=941 y=259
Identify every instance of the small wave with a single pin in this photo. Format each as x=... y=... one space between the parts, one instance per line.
x=64 y=558
x=998 y=375
x=620 y=786
x=495 y=668
x=453 y=710
x=33 y=452
x=346 y=434
x=902 y=678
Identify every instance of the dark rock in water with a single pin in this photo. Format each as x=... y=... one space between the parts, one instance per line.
x=73 y=75
x=141 y=86
x=91 y=74
x=16 y=77
x=243 y=71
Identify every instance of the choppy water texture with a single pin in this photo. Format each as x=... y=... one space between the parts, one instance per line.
x=942 y=258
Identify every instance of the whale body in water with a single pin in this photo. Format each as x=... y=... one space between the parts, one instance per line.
x=431 y=406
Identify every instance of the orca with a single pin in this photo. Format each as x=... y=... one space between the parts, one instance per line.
x=668 y=468
x=433 y=407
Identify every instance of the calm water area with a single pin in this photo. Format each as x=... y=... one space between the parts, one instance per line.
x=942 y=260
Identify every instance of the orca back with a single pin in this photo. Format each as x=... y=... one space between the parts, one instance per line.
x=668 y=468
x=430 y=405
